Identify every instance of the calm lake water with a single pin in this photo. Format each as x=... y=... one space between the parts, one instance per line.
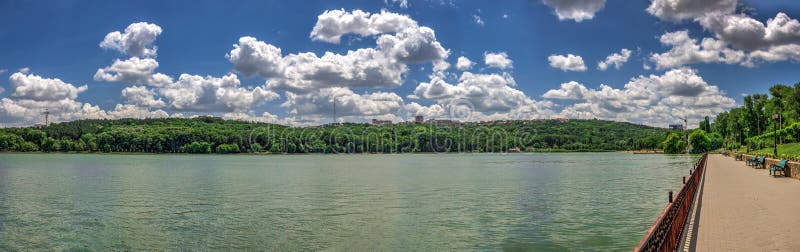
x=575 y=201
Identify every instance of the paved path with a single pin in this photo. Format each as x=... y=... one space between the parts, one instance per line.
x=744 y=209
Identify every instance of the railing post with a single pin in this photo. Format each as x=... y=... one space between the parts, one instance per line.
x=670 y=196
x=684 y=179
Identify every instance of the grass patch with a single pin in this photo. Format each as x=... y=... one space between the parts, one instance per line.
x=789 y=151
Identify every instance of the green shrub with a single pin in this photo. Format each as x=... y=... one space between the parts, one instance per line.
x=227 y=148
x=256 y=147
x=197 y=147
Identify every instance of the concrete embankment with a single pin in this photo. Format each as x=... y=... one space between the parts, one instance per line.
x=746 y=209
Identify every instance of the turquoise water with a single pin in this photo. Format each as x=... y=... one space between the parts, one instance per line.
x=572 y=201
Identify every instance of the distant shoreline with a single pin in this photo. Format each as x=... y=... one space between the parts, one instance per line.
x=204 y=135
x=312 y=153
x=645 y=152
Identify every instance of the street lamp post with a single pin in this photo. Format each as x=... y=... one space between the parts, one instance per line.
x=775 y=134
x=747 y=129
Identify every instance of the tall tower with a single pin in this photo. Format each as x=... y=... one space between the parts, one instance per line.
x=334 y=110
x=46 y=114
x=686 y=133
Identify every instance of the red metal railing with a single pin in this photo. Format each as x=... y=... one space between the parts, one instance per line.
x=666 y=233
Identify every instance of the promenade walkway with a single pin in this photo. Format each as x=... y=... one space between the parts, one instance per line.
x=744 y=209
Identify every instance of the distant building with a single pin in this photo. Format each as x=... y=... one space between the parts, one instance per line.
x=419 y=119
x=444 y=122
x=676 y=127
x=381 y=122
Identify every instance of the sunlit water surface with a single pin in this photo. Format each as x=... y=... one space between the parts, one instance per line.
x=575 y=201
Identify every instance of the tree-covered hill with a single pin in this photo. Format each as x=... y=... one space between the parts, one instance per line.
x=215 y=135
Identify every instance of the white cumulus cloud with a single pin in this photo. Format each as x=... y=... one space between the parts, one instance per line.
x=615 y=59
x=37 y=88
x=498 y=60
x=136 y=40
x=577 y=10
x=213 y=94
x=348 y=103
x=567 y=63
x=333 y=24
x=654 y=100
x=265 y=117
x=775 y=54
x=464 y=63
x=747 y=33
x=678 y=10
x=380 y=67
x=141 y=96
x=33 y=94
x=133 y=111
x=484 y=93
x=686 y=50
x=739 y=38
x=134 y=70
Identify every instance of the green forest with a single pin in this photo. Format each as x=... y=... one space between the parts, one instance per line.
x=215 y=135
x=762 y=121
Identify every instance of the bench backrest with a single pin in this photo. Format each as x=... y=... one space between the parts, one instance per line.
x=761 y=160
x=783 y=163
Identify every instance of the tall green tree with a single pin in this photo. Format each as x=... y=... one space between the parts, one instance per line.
x=674 y=143
x=705 y=125
x=700 y=141
x=762 y=116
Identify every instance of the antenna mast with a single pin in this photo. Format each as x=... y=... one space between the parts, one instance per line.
x=686 y=134
x=46 y=114
x=334 y=109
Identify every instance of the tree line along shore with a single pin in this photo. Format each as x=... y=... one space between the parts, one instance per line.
x=215 y=135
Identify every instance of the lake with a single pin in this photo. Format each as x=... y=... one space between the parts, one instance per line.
x=569 y=201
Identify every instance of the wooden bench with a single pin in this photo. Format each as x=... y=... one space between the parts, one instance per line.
x=773 y=169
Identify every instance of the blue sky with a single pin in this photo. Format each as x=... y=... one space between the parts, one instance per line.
x=54 y=48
